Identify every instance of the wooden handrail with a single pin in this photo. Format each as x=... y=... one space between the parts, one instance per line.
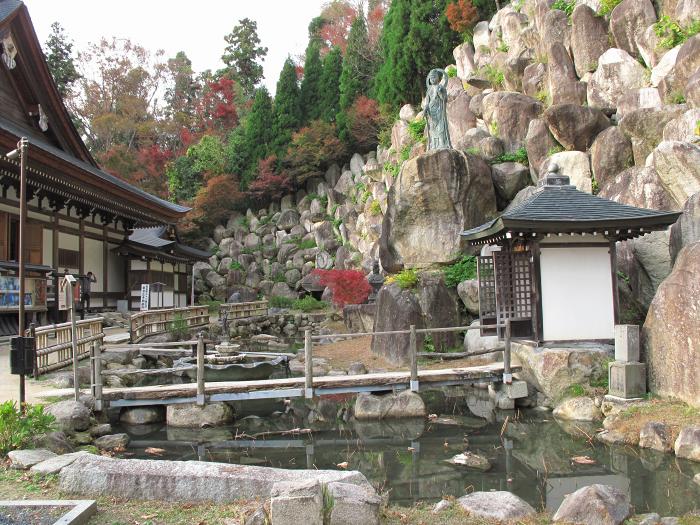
x=54 y=343
x=152 y=322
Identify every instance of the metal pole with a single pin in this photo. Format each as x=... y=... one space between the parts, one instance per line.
x=200 y=369
x=413 y=350
x=507 y=376
x=22 y=145
x=308 y=365
x=74 y=343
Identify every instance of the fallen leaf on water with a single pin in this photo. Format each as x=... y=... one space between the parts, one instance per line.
x=583 y=460
x=432 y=416
x=155 y=451
x=344 y=464
x=411 y=449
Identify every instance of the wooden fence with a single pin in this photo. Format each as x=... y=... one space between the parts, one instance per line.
x=54 y=346
x=154 y=322
x=242 y=310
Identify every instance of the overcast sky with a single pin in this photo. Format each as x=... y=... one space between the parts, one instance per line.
x=196 y=27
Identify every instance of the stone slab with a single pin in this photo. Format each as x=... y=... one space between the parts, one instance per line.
x=185 y=481
x=293 y=501
x=627 y=380
x=353 y=504
x=516 y=390
x=56 y=464
x=117 y=339
x=24 y=459
x=627 y=343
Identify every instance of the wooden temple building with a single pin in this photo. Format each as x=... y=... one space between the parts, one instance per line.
x=80 y=218
x=549 y=263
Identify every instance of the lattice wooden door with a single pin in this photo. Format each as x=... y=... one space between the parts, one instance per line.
x=514 y=289
x=487 y=294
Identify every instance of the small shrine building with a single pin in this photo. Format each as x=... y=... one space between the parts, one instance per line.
x=549 y=265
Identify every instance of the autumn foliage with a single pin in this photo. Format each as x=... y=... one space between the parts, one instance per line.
x=269 y=185
x=348 y=286
x=213 y=203
x=313 y=149
x=461 y=14
x=364 y=122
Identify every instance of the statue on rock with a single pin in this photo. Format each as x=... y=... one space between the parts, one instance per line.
x=435 y=109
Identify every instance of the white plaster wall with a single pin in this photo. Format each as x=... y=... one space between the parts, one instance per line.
x=577 y=297
x=68 y=242
x=138 y=264
x=47 y=247
x=92 y=262
x=116 y=266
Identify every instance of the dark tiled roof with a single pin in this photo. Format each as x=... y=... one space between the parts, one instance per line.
x=555 y=208
x=7 y=7
x=151 y=240
x=150 y=236
x=120 y=184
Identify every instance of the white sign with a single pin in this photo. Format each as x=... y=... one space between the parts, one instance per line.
x=64 y=288
x=145 y=296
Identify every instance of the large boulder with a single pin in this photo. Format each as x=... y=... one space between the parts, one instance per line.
x=617 y=73
x=508 y=116
x=671 y=355
x=189 y=415
x=683 y=127
x=288 y=219
x=645 y=128
x=686 y=230
x=435 y=197
x=574 y=126
x=589 y=38
x=687 y=65
x=678 y=166
x=644 y=262
x=142 y=415
x=509 y=178
x=628 y=21
x=440 y=306
x=556 y=28
x=574 y=164
x=594 y=505
x=553 y=368
x=563 y=87
x=611 y=153
x=397 y=309
x=464 y=59
x=500 y=506
x=688 y=443
x=460 y=119
x=468 y=292
x=71 y=416
x=656 y=436
x=539 y=144
x=406 y=404
x=647 y=97
x=578 y=409
x=637 y=186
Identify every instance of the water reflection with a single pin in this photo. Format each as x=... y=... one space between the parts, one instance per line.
x=530 y=453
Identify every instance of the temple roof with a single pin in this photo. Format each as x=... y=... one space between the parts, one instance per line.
x=160 y=242
x=558 y=207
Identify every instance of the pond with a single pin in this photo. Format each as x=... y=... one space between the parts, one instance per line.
x=531 y=454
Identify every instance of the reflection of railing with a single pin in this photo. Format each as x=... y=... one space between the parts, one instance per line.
x=54 y=348
x=153 y=322
x=243 y=310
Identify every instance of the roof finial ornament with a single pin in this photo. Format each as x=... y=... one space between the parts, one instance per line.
x=553 y=177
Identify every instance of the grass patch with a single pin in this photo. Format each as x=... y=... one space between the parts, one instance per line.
x=235 y=265
x=606 y=6
x=278 y=301
x=375 y=208
x=494 y=75
x=675 y=414
x=406 y=279
x=518 y=156
x=416 y=129
x=309 y=304
x=565 y=5
x=212 y=304
x=672 y=34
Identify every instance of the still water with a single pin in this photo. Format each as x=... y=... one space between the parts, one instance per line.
x=531 y=454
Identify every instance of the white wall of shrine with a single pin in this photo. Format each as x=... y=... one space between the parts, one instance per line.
x=577 y=293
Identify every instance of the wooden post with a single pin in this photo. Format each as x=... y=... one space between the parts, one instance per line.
x=413 y=351
x=32 y=334
x=200 y=369
x=74 y=341
x=507 y=376
x=308 y=365
x=97 y=370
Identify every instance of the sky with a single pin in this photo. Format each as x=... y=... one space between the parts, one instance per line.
x=196 y=27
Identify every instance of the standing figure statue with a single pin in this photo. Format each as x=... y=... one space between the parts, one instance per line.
x=435 y=109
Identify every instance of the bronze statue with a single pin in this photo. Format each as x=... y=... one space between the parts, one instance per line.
x=435 y=109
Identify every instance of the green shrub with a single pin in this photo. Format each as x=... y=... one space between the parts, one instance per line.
x=606 y=6
x=565 y=5
x=494 y=75
x=518 y=156
x=405 y=153
x=212 y=304
x=278 y=301
x=451 y=71
x=235 y=265
x=676 y=97
x=392 y=168
x=309 y=304
x=375 y=208
x=574 y=390
x=462 y=270
x=405 y=279
x=416 y=128
x=502 y=46
x=178 y=328
x=306 y=244
x=17 y=428
x=671 y=34
x=279 y=278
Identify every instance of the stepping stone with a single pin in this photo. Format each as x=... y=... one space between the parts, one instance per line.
x=54 y=465
x=117 y=339
x=24 y=459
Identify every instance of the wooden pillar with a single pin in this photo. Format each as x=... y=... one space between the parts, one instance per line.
x=105 y=265
x=536 y=290
x=81 y=246
x=54 y=241
x=613 y=271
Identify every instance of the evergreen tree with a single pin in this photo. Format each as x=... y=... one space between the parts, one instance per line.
x=241 y=55
x=287 y=112
x=416 y=38
x=309 y=94
x=258 y=133
x=356 y=76
x=329 y=89
x=59 y=57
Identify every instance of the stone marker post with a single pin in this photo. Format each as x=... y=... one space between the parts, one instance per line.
x=626 y=375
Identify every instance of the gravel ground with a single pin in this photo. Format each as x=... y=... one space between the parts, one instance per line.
x=31 y=515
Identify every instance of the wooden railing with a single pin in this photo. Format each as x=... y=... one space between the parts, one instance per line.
x=54 y=346
x=154 y=322
x=242 y=310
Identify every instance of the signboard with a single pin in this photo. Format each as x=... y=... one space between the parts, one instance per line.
x=64 y=288
x=34 y=295
x=145 y=296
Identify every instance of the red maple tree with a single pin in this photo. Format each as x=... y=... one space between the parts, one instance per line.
x=348 y=286
x=461 y=15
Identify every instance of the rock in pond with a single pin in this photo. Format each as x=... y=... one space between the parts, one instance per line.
x=404 y=405
x=497 y=505
x=656 y=436
x=471 y=460
x=112 y=441
x=688 y=443
x=594 y=505
x=189 y=415
x=142 y=415
x=71 y=416
x=578 y=409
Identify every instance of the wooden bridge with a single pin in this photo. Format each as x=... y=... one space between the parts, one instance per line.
x=308 y=386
